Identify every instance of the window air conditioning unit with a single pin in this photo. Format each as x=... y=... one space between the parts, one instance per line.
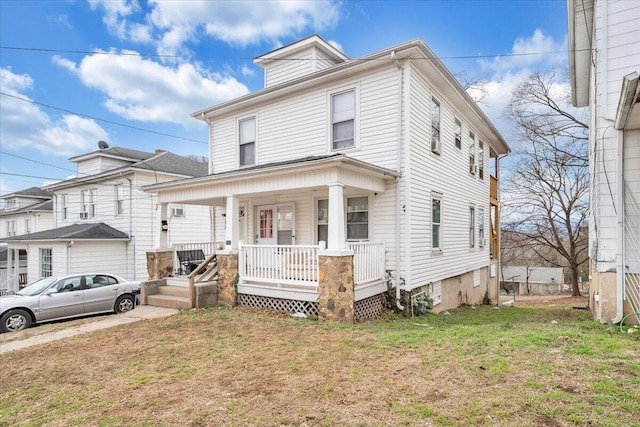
x=177 y=211
x=84 y=215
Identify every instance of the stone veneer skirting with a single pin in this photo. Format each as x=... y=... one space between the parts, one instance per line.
x=336 y=290
x=160 y=264
x=227 y=278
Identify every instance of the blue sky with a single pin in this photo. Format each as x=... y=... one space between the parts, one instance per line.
x=131 y=72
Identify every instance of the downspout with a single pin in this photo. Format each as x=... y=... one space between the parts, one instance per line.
x=399 y=170
x=131 y=236
x=620 y=230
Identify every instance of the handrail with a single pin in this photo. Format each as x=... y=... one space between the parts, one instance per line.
x=207 y=270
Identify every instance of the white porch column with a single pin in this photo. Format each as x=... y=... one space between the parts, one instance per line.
x=15 y=262
x=163 y=226
x=337 y=222
x=232 y=224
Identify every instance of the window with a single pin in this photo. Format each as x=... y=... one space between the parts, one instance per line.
x=177 y=210
x=323 y=220
x=84 y=204
x=99 y=281
x=481 y=228
x=435 y=126
x=119 y=198
x=472 y=153
x=480 y=159
x=65 y=205
x=45 y=262
x=11 y=228
x=472 y=227
x=358 y=218
x=343 y=113
x=247 y=134
x=93 y=200
x=27 y=225
x=436 y=222
x=457 y=132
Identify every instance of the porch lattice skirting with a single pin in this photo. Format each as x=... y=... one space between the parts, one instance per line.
x=279 y=304
x=370 y=308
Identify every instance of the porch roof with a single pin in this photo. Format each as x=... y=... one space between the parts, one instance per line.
x=304 y=173
x=90 y=231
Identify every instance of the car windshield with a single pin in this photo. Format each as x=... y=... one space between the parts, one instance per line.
x=36 y=288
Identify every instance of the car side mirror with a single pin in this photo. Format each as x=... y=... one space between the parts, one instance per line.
x=51 y=291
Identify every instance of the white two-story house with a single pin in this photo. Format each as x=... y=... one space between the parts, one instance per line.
x=104 y=221
x=25 y=211
x=384 y=161
x=604 y=65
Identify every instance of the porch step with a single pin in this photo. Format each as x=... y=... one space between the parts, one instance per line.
x=176 y=291
x=181 y=282
x=168 y=301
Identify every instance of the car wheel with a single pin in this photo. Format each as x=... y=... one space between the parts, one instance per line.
x=15 y=320
x=124 y=303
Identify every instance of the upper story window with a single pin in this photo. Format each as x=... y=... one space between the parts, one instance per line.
x=435 y=126
x=247 y=141
x=11 y=228
x=93 y=200
x=472 y=153
x=84 y=204
x=11 y=204
x=65 y=205
x=457 y=133
x=27 y=225
x=323 y=220
x=343 y=114
x=436 y=222
x=118 y=193
x=480 y=159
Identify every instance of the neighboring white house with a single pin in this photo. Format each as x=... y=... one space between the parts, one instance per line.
x=532 y=280
x=384 y=158
x=103 y=221
x=604 y=61
x=25 y=211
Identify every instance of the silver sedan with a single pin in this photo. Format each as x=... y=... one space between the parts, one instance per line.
x=54 y=298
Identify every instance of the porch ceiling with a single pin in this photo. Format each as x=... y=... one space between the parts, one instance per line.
x=302 y=174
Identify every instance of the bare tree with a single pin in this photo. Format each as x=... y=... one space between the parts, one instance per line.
x=547 y=201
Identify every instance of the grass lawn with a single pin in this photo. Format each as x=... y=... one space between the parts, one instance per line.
x=227 y=367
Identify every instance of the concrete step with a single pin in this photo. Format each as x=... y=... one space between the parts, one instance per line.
x=176 y=291
x=177 y=281
x=168 y=301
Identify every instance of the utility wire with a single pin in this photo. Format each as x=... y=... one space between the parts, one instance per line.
x=102 y=120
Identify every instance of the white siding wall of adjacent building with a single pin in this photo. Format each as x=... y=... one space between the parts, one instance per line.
x=38 y=221
x=616 y=40
x=446 y=174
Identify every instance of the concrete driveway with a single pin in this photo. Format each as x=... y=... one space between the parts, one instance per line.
x=139 y=313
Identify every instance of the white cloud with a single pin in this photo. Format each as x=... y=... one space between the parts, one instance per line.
x=25 y=125
x=246 y=71
x=141 y=89
x=171 y=24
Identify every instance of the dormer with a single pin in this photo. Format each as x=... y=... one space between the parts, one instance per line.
x=298 y=59
x=107 y=159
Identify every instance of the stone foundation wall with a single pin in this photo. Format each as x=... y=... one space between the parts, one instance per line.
x=227 y=278
x=336 y=294
x=159 y=264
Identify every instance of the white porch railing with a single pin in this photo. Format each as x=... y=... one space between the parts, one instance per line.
x=279 y=265
x=368 y=262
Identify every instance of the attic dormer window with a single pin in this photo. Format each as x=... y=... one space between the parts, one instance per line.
x=247 y=136
x=343 y=113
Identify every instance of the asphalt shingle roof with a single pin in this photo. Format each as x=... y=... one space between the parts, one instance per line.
x=36 y=192
x=90 y=231
x=44 y=206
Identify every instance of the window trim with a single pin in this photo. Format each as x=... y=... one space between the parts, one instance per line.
x=118 y=202
x=472 y=153
x=481 y=230
x=346 y=223
x=355 y=88
x=93 y=202
x=472 y=227
x=27 y=225
x=480 y=161
x=84 y=204
x=65 y=205
x=240 y=120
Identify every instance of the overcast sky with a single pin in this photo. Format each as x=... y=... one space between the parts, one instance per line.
x=73 y=73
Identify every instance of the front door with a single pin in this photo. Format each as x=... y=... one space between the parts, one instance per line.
x=266 y=226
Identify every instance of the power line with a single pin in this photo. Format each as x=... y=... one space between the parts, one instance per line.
x=244 y=58
x=102 y=120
